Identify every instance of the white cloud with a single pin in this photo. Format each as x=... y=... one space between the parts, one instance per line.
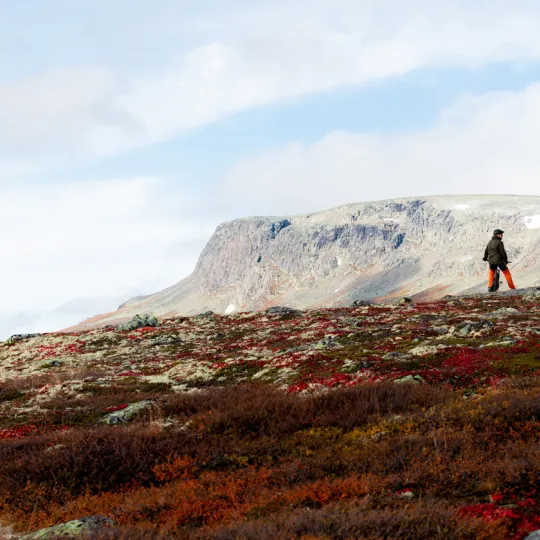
x=73 y=248
x=481 y=144
x=254 y=54
x=47 y=110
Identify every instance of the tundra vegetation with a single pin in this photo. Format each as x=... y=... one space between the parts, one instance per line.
x=374 y=421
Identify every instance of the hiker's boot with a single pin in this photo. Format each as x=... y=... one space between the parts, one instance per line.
x=491 y=278
x=509 y=279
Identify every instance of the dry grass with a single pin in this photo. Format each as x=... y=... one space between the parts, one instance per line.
x=254 y=462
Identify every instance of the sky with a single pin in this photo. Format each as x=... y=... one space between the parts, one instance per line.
x=130 y=129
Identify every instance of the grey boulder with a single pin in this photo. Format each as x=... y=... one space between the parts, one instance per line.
x=72 y=529
x=139 y=321
x=125 y=415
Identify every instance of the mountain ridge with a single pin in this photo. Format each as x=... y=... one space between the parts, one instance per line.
x=424 y=247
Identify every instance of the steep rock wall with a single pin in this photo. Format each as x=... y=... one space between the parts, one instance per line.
x=375 y=251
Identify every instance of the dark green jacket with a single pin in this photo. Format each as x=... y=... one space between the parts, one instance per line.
x=495 y=253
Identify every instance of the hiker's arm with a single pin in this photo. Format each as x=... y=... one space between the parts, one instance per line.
x=485 y=254
x=503 y=253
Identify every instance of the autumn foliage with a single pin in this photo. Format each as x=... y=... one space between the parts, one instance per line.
x=254 y=462
x=336 y=449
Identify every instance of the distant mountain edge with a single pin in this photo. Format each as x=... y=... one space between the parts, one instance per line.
x=423 y=247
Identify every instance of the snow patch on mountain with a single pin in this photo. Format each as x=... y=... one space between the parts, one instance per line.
x=532 y=222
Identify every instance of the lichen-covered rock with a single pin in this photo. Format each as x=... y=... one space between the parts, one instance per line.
x=441 y=330
x=78 y=528
x=205 y=315
x=503 y=312
x=328 y=342
x=360 y=303
x=405 y=301
x=125 y=415
x=281 y=310
x=423 y=350
x=51 y=364
x=166 y=340
x=411 y=379
x=395 y=355
x=471 y=328
x=20 y=337
x=139 y=321
x=532 y=295
x=535 y=535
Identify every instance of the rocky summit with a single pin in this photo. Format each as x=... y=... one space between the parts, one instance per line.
x=422 y=248
x=390 y=420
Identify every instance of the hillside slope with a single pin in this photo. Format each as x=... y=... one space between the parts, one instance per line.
x=376 y=421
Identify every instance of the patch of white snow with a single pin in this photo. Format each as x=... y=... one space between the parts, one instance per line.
x=532 y=222
x=230 y=309
x=461 y=207
x=339 y=262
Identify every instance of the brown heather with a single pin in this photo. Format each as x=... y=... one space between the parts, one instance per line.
x=323 y=456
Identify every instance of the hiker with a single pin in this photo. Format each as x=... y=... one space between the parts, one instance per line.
x=495 y=255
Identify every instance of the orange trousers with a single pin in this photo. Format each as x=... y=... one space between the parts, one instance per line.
x=507 y=275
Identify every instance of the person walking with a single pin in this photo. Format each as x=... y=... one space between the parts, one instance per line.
x=496 y=256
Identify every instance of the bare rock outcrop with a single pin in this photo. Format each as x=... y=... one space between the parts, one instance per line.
x=422 y=248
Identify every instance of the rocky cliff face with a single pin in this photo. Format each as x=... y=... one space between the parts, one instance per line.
x=423 y=247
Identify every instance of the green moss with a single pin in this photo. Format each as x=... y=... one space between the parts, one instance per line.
x=49 y=365
x=124 y=386
x=153 y=387
x=236 y=371
x=524 y=363
x=81 y=417
x=271 y=375
x=10 y=395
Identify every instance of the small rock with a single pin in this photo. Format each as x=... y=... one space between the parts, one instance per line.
x=503 y=312
x=72 y=529
x=281 y=310
x=360 y=303
x=469 y=327
x=411 y=379
x=405 y=300
x=125 y=415
x=406 y=494
x=532 y=296
x=394 y=355
x=328 y=342
x=55 y=447
x=441 y=330
x=52 y=363
x=205 y=315
x=20 y=337
x=427 y=349
x=166 y=340
x=535 y=535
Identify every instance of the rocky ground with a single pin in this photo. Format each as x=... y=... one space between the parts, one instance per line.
x=138 y=426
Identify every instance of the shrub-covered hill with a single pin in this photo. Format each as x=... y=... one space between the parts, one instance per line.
x=376 y=421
